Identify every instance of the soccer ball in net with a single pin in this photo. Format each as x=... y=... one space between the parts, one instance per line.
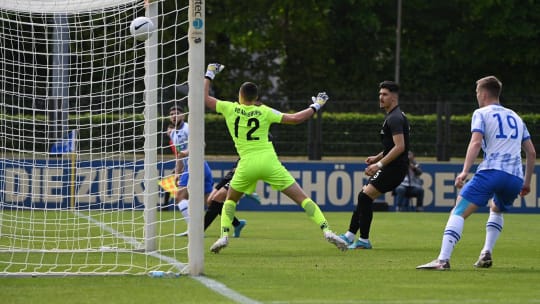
x=141 y=28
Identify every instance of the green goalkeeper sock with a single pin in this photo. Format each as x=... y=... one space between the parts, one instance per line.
x=315 y=214
x=227 y=216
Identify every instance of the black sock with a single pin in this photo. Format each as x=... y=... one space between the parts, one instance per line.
x=364 y=208
x=166 y=198
x=211 y=213
x=235 y=222
x=354 y=224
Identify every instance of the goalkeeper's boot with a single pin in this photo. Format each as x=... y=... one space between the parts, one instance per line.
x=484 y=261
x=238 y=229
x=360 y=245
x=336 y=240
x=346 y=239
x=221 y=243
x=436 y=265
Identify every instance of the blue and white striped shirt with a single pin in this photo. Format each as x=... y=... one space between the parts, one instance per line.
x=504 y=132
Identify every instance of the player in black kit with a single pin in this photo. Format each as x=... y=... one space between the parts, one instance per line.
x=386 y=169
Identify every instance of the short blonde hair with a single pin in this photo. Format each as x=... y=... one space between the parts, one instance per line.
x=491 y=84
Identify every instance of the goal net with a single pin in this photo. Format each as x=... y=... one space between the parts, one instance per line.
x=84 y=108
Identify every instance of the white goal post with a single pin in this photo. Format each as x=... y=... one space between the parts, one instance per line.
x=84 y=108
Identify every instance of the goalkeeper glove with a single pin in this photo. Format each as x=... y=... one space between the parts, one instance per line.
x=213 y=69
x=319 y=101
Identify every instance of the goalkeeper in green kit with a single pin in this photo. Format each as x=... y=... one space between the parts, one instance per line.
x=248 y=124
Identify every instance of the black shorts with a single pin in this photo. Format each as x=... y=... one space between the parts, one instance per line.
x=389 y=177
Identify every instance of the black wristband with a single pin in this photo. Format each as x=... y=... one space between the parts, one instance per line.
x=313 y=108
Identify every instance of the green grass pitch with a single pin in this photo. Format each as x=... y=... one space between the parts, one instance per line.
x=283 y=258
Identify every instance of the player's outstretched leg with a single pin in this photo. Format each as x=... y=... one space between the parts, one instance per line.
x=227 y=216
x=315 y=214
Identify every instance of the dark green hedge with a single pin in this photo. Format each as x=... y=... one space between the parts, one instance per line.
x=343 y=134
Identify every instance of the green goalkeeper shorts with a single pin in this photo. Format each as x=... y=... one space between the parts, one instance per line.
x=263 y=167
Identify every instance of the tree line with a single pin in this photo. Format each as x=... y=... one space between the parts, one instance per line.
x=294 y=48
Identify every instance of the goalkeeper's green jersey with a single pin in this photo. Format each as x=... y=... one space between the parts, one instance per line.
x=249 y=126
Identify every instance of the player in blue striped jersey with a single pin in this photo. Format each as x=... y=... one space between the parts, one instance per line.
x=499 y=178
x=179 y=138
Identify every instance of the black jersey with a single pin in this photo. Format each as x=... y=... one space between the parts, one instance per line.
x=395 y=122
